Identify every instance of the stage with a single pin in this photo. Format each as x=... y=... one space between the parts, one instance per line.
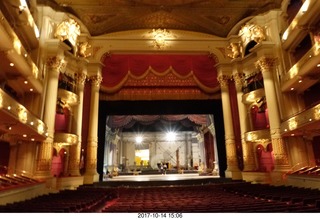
x=161 y=180
x=160 y=177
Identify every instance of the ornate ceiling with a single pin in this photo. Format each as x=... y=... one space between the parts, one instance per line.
x=215 y=17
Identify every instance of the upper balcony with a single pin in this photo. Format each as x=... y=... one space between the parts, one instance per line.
x=305 y=73
x=18 y=13
x=16 y=66
x=306 y=122
x=307 y=16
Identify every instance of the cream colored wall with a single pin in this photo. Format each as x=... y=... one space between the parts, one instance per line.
x=298 y=152
x=292 y=104
x=25 y=157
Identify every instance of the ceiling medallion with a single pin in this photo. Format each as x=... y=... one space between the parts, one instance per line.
x=160 y=37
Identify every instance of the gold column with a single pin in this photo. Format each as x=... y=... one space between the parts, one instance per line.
x=232 y=164
x=43 y=161
x=75 y=150
x=91 y=174
x=247 y=150
x=266 y=65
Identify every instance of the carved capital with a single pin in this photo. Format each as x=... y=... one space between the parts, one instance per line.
x=96 y=80
x=266 y=63
x=81 y=78
x=238 y=79
x=223 y=80
x=55 y=62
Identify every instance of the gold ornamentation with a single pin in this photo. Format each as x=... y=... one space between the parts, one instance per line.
x=96 y=80
x=81 y=78
x=266 y=63
x=231 y=154
x=82 y=49
x=45 y=153
x=293 y=124
x=22 y=114
x=236 y=50
x=55 y=62
x=279 y=151
x=252 y=32
x=317 y=112
x=68 y=30
x=223 y=80
x=160 y=37
x=238 y=78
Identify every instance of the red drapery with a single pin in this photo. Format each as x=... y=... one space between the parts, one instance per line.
x=129 y=120
x=118 y=67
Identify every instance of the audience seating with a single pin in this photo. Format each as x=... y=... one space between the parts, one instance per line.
x=220 y=197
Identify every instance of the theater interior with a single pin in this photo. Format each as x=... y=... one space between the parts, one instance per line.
x=180 y=106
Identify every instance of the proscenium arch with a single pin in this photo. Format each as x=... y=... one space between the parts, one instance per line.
x=212 y=106
x=162 y=107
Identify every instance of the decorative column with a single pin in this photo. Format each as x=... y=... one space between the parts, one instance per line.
x=75 y=150
x=266 y=65
x=231 y=153
x=91 y=174
x=247 y=150
x=200 y=139
x=215 y=170
x=44 y=157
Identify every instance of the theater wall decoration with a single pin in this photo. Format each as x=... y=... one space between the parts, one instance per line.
x=159 y=77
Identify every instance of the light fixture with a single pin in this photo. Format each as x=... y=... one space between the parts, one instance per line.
x=305 y=6
x=138 y=139
x=160 y=36
x=171 y=136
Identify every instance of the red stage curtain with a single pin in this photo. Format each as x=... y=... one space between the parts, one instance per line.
x=118 y=67
x=129 y=120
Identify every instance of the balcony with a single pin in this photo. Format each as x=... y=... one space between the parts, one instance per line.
x=304 y=74
x=18 y=122
x=17 y=12
x=17 y=66
x=65 y=139
x=307 y=16
x=67 y=97
x=306 y=122
x=259 y=136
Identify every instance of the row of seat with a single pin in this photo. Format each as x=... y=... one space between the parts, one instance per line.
x=8 y=181
x=65 y=201
x=212 y=198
